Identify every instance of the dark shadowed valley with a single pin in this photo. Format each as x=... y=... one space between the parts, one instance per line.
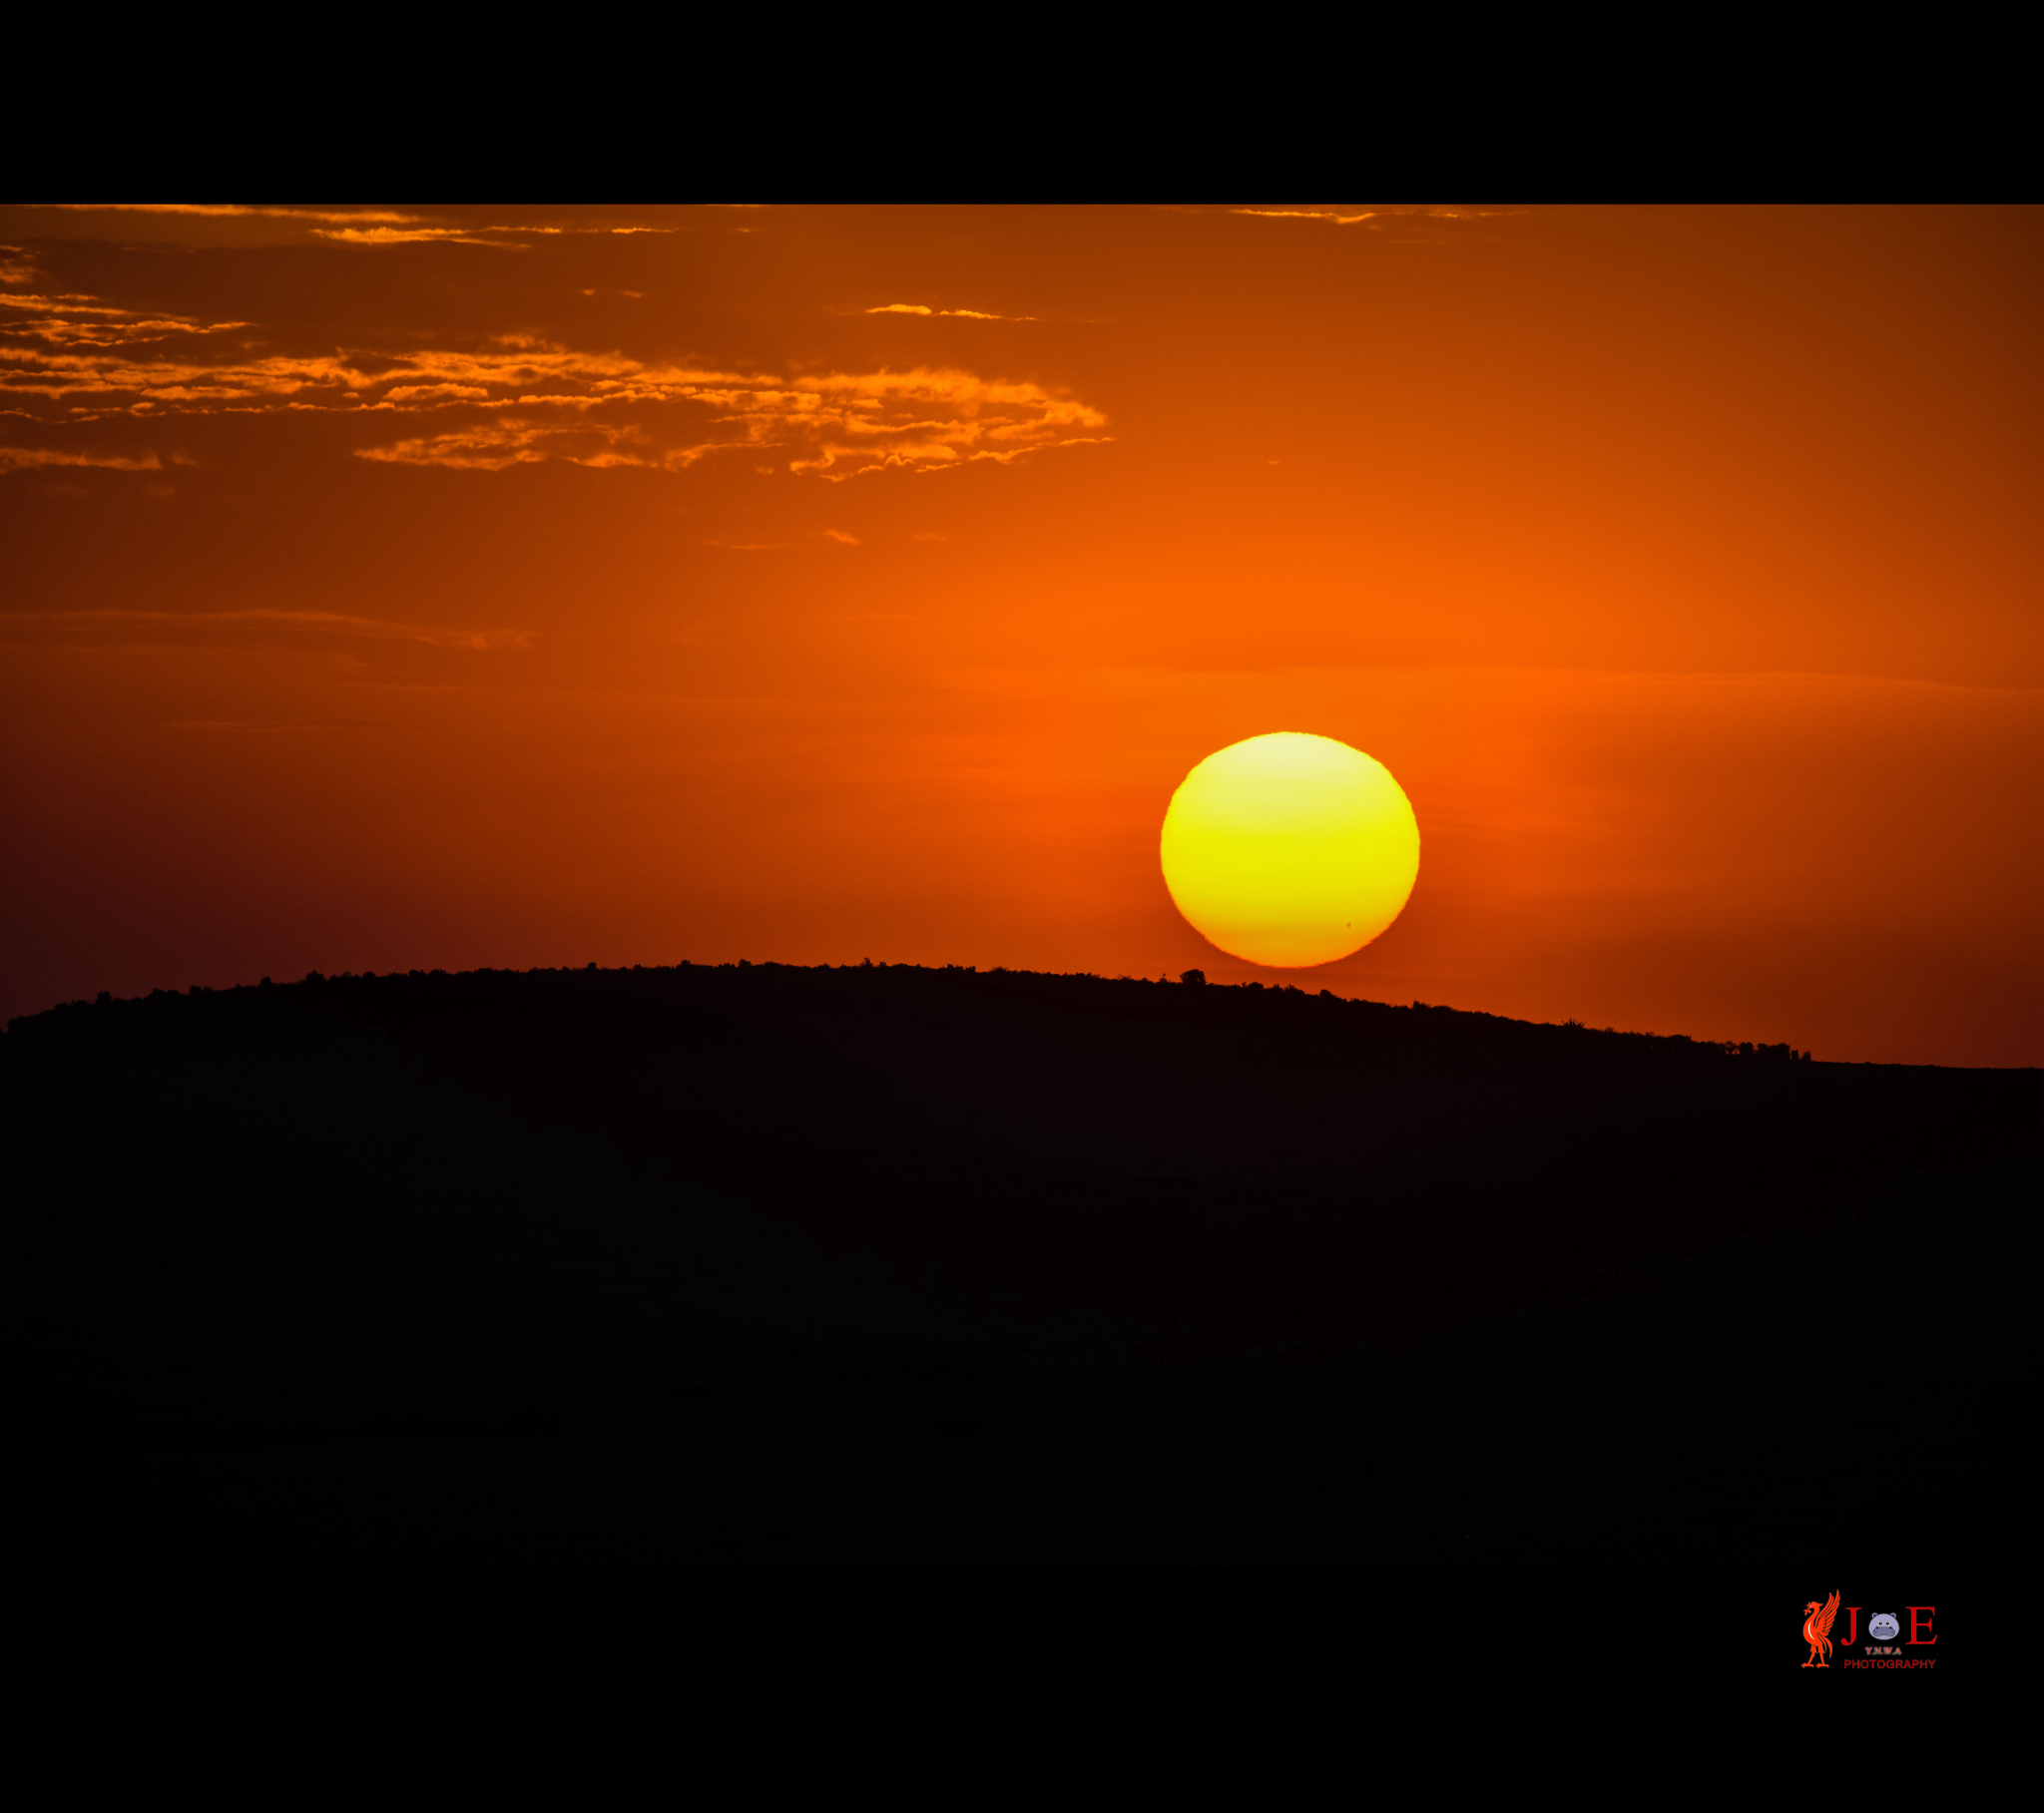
x=762 y=1264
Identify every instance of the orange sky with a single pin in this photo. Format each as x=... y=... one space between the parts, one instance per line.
x=430 y=587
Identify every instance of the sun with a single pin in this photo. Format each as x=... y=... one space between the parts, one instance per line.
x=1290 y=849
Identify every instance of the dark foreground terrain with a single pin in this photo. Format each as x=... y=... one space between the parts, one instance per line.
x=763 y=1264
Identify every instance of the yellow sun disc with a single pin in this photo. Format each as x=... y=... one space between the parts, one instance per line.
x=1290 y=850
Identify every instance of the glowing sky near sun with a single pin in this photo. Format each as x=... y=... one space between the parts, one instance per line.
x=412 y=587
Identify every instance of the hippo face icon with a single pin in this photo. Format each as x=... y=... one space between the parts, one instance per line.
x=1882 y=1625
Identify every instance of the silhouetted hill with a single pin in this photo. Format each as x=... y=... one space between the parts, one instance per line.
x=759 y=1262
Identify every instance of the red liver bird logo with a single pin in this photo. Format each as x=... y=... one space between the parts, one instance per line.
x=1817 y=1631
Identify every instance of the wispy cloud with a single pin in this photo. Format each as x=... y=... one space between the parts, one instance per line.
x=72 y=320
x=529 y=401
x=834 y=426
x=413 y=235
x=964 y=314
x=1333 y=214
x=353 y=226
x=24 y=459
x=519 y=441
x=1381 y=214
x=75 y=360
x=239 y=211
x=240 y=627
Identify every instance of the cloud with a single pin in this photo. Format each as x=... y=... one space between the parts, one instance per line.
x=919 y=420
x=414 y=235
x=1313 y=214
x=235 y=627
x=23 y=459
x=966 y=315
x=348 y=226
x=220 y=210
x=516 y=441
x=71 y=320
x=520 y=400
x=835 y=425
x=1379 y=215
